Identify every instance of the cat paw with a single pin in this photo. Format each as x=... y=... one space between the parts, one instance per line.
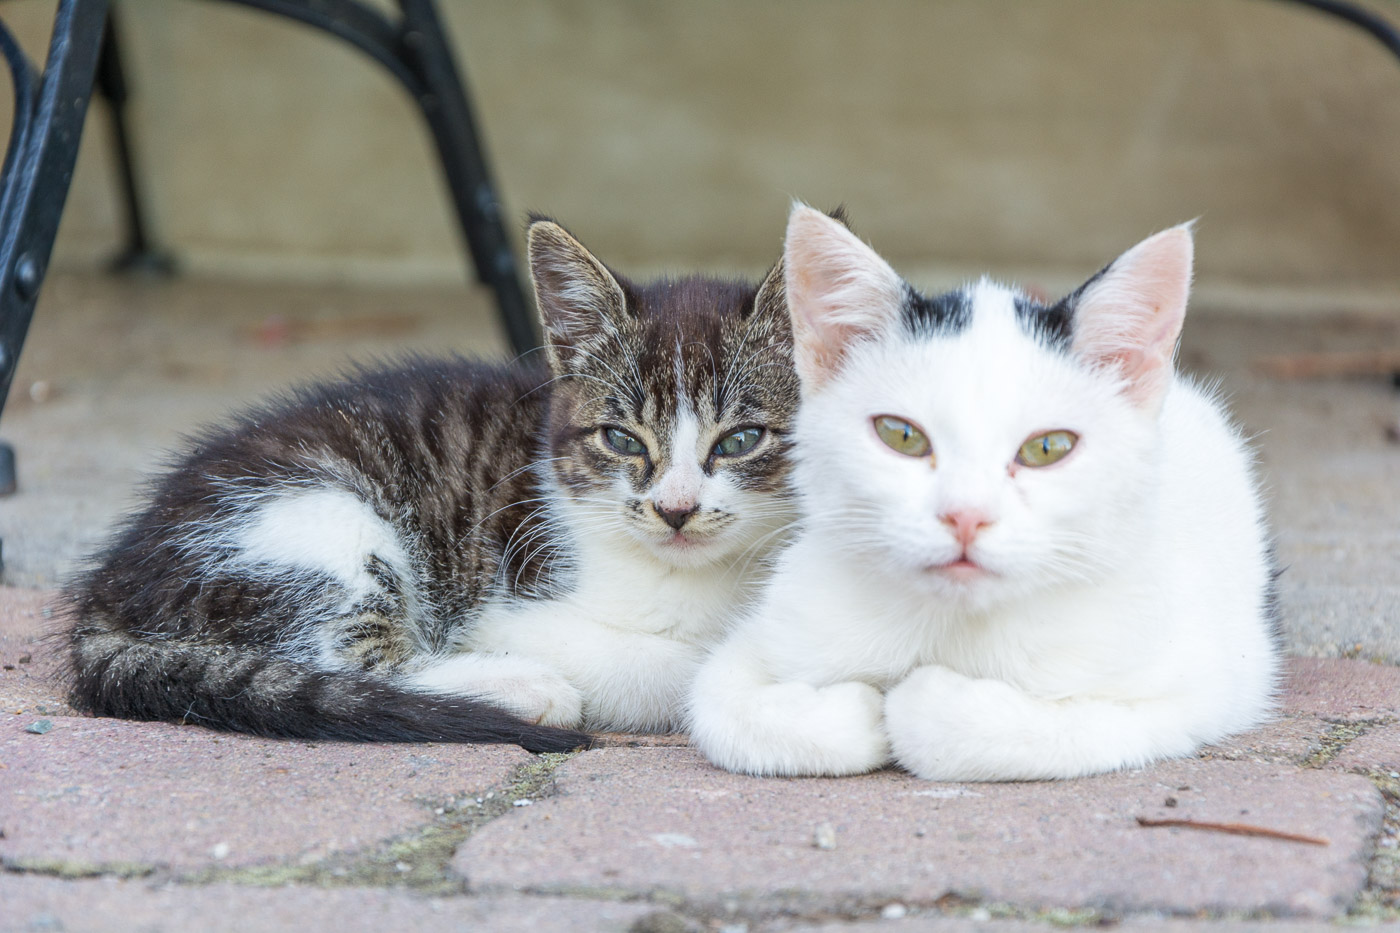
x=945 y=726
x=796 y=729
x=522 y=687
x=551 y=701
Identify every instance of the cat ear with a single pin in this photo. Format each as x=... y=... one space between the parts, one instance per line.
x=577 y=296
x=838 y=291
x=770 y=311
x=1129 y=316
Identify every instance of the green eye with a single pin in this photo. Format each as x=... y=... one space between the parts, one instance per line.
x=740 y=442
x=1046 y=449
x=624 y=443
x=902 y=437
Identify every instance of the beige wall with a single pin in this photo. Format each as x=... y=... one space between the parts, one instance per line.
x=1034 y=137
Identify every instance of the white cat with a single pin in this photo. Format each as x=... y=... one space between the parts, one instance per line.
x=1030 y=549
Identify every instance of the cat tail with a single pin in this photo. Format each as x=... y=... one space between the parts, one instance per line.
x=244 y=690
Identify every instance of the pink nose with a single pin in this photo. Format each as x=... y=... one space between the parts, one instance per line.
x=965 y=524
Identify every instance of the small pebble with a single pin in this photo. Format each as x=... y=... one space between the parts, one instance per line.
x=40 y=727
x=893 y=912
x=220 y=851
x=521 y=803
x=825 y=836
x=980 y=915
x=1169 y=802
x=402 y=867
x=40 y=391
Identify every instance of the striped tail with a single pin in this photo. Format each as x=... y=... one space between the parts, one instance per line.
x=241 y=690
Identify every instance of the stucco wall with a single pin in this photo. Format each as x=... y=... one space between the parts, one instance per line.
x=1036 y=138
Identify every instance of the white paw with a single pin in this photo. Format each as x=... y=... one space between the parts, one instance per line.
x=797 y=729
x=526 y=688
x=548 y=701
x=945 y=726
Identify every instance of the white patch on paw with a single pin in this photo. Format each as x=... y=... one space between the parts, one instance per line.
x=526 y=688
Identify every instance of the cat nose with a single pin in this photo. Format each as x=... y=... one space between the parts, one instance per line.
x=675 y=517
x=965 y=524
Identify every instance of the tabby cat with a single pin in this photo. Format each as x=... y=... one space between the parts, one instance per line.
x=458 y=551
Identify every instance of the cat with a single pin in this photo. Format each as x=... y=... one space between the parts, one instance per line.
x=1029 y=549
x=450 y=550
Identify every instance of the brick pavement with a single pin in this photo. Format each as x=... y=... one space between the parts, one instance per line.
x=150 y=826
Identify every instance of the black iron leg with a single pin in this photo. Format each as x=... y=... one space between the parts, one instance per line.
x=447 y=108
x=138 y=253
x=44 y=137
x=415 y=51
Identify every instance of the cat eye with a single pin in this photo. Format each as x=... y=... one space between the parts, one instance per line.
x=740 y=442
x=902 y=437
x=1045 y=449
x=624 y=443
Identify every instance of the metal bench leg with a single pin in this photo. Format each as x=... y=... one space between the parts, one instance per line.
x=138 y=253
x=44 y=137
x=447 y=109
x=414 y=49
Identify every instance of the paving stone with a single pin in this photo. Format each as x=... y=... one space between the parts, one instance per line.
x=1290 y=739
x=1341 y=690
x=1377 y=749
x=963 y=924
x=108 y=791
x=662 y=819
x=34 y=903
x=28 y=660
x=641 y=739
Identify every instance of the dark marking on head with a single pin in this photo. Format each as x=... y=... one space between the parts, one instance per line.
x=1051 y=325
x=940 y=316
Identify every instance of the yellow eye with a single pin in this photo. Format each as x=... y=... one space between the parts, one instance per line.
x=902 y=437
x=1046 y=449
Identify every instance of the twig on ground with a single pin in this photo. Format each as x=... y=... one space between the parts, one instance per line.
x=1235 y=829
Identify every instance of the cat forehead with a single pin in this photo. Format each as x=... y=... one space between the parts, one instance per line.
x=986 y=308
x=689 y=301
x=984 y=359
x=694 y=344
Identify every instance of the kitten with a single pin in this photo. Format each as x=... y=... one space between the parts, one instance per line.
x=456 y=551
x=1030 y=549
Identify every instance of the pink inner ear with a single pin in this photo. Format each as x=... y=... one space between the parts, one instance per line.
x=1131 y=316
x=838 y=289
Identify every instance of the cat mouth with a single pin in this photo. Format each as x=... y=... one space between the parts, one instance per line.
x=962 y=570
x=682 y=541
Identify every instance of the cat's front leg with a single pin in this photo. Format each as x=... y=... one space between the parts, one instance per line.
x=945 y=726
x=526 y=687
x=742 y=720
x=629 y=681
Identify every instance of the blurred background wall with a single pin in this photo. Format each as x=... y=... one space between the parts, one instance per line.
x=1034 y=138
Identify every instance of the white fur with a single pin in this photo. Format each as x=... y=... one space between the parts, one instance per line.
x=1120 y=614
x=526 y=687
x=332 y=531
x=314 y=532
